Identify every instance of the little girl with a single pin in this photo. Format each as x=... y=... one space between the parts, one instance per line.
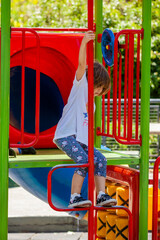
x=71 y=135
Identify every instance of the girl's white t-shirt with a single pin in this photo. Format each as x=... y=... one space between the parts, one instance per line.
x=74 y=120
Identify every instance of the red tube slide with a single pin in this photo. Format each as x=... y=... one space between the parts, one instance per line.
x=58 y=63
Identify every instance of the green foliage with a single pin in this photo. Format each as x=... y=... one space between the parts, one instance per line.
x=155 y=50
x=120 y=14
x=49 y=13
x=117 y=15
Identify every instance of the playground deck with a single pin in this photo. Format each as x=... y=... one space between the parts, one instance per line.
x=52 y=157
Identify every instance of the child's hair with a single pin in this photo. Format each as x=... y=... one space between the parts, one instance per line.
x=101 y=77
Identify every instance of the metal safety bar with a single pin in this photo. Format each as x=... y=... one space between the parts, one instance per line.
x=155 y=200
x=49 y=187
x=64 y=29
x=121 y=127
x=61 y=29
x=95 y=208
x=130 y=223
x=126 y=136
x=90 y=56
x=37 y=103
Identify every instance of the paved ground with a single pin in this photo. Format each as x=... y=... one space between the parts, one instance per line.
x=52 y=236
x=22 y=203
x=29 y=217
x=49 y=236
x=29 y=214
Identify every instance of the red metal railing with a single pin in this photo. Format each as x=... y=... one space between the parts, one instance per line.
x=121 y=124
x=155 y=200
x=129 y=177
x=64 y=29
x=49 y=184
x=37 y=103
x=93 y=208
x=61 y=29
x=130 y=218
x=90 y=53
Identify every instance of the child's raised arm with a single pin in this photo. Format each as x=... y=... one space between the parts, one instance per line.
x=82 y=54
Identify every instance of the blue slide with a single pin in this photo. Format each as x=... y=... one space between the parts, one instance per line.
x=34 y=180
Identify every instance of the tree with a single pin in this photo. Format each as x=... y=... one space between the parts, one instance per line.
x=117 y=15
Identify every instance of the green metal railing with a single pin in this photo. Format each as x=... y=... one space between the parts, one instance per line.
x=145 y=103
x=4 y=116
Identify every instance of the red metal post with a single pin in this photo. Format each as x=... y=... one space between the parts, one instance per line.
x=103 y=106
x=137 y=85
x=108 y=113
x=106 y=123
x=103 y=113
x=108 y=106
x=125 y=84
x=37 y=106
x=23 y=87
x=91 y=224
x=119 y=99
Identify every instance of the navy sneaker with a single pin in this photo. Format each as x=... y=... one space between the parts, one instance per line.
x=79 y=201
x=29 y=150
x=106 y=201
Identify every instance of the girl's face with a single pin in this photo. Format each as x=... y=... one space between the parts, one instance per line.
x=97 y=91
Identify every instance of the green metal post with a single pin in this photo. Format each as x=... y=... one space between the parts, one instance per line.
x=4 y=116
x=98 y=56
x=145 y=105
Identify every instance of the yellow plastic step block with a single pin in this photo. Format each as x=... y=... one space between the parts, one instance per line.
x=111 y=191
x=121 y=228
x=108 y=183
x=122 y=196
x=111 y=226
x=150 y=208
x=101 y=224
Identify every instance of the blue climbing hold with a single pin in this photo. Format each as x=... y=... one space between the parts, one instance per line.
x=107 y=45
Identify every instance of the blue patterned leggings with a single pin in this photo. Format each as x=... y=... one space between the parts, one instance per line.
x=79 y=153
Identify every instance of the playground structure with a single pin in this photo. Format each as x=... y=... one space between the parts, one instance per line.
x=124 y=136
x=56 y=62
